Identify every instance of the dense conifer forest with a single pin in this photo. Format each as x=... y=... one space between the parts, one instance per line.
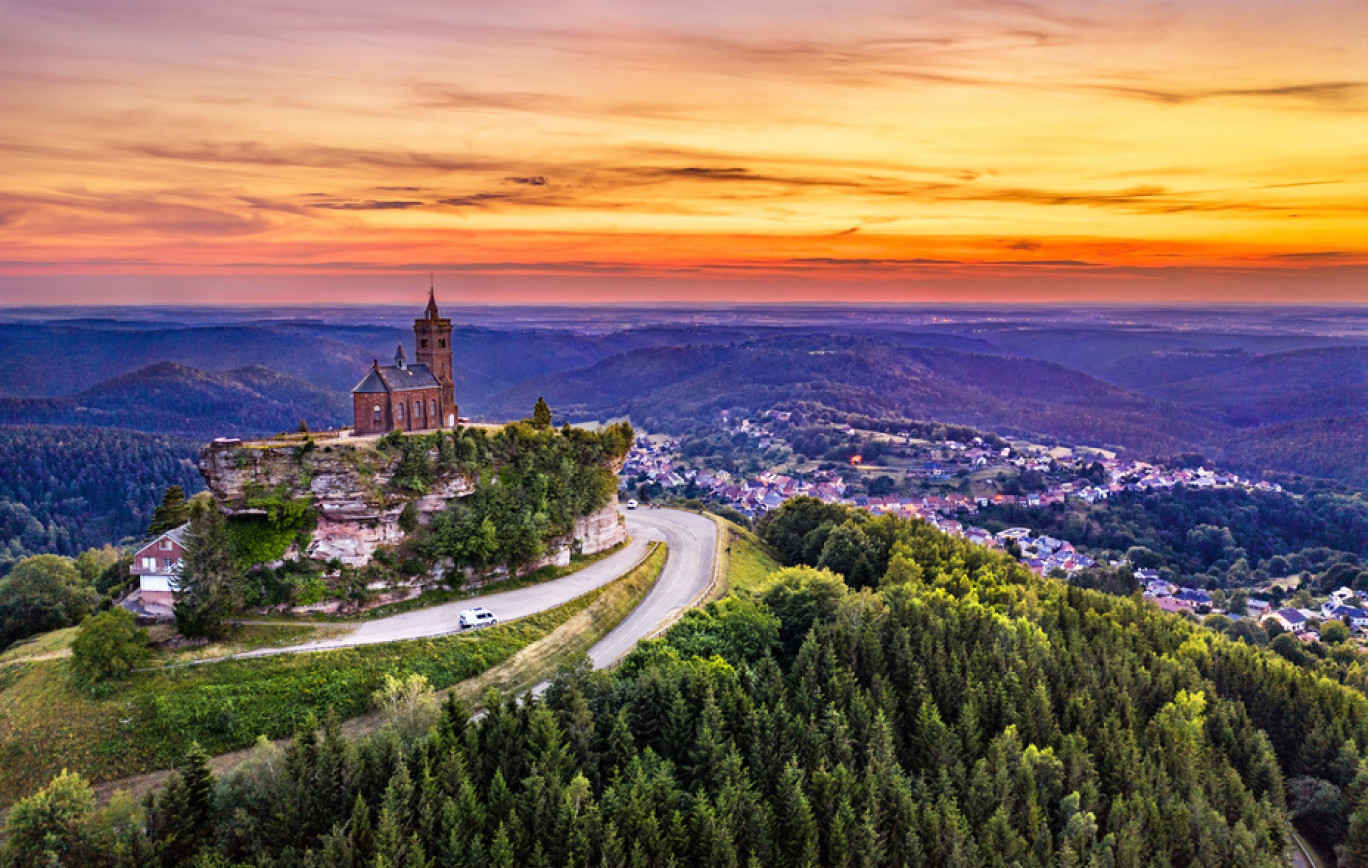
x=64 y=489
x=939 y=705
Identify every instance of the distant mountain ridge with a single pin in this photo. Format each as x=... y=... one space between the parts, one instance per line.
x=1279 y=387
x=1154 y=386
x=667 y=387
x=171 y=398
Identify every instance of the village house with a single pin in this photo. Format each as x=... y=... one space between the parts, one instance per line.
x=157 y=565
x=1351 y=615
x=1291 y=619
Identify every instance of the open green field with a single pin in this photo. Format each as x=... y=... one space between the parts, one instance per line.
x=148 y=720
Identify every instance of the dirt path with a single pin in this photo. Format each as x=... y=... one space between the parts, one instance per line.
x=51 y=655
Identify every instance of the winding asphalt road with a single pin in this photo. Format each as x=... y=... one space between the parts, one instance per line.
x=692 y=542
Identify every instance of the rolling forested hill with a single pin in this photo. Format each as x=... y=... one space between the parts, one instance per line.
x=175 y=399
x=64 y=489
x=670 y=388
x=1328 y=448
x=1280 y=387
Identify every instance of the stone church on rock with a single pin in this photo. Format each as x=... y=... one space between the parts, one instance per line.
x=411 y=397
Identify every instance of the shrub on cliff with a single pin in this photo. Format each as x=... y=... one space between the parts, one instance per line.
x=539 y=483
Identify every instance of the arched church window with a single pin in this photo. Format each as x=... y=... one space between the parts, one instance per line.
x=377 y=413
x=401 y=409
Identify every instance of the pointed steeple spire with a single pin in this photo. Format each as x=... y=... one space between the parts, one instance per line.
x=432 y=299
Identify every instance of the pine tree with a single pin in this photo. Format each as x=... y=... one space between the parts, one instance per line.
x=621 y=746
x=199 y=785
x=209 y=586
x=173 y=512
x=180 y=820
x=501 y=850
x=359 y=830
x=796 y=832
x=541 y=415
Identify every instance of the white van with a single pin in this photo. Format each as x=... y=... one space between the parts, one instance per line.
x=477 y=617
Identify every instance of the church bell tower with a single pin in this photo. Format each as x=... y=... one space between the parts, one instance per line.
x=432 y=340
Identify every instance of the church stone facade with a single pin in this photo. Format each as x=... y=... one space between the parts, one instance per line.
x=410 y=397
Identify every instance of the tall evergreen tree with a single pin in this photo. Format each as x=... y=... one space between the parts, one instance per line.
x=173 y=512
x=209 y=588
x=541 y=415
x=180 y=819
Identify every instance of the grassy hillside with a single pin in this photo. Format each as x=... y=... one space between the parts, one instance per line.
x=147 y=721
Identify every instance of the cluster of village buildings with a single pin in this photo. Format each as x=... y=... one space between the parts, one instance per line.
x=1343 y=604
x=656 y=461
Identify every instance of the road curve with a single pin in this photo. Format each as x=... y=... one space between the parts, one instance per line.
x=692 y=548
x=688 y=569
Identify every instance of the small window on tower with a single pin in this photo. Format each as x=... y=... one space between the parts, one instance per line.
x=424 y=343
x=441 y=343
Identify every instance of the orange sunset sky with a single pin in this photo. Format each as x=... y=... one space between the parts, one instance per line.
x=177 y=151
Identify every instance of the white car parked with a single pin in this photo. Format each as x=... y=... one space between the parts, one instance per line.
x=477 y=617
x=632 y=504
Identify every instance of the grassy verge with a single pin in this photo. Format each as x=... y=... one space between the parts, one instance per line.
x=447 y=595
x=745 y=560
x=147 y=721
x=241 y=638
x=539 y=661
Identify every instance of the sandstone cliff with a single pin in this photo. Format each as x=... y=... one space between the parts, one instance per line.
x=347 y=489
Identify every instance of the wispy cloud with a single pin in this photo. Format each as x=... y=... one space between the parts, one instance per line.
x=369 y=205
x=1005 y=139
x=475 y=200
x=313 y=157
x=1326 y=93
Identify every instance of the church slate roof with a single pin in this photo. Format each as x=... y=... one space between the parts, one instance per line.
x=393 y=379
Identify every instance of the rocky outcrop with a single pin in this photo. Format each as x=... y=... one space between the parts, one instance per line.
x=346 y=484
x=347 y=489
x=599 y=531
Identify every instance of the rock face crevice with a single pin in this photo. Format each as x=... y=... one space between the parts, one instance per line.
x=348 y=489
